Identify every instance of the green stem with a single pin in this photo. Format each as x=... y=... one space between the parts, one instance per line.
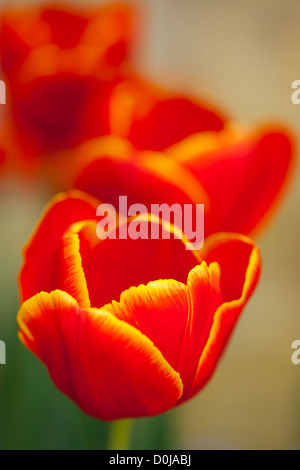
x=120 y=435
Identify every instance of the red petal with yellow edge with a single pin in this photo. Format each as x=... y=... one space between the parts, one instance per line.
x=159 y=310
x=40 y=253
x=240 y=264
x=69 y=275
x=119 y=264
x=109 y=167
x=243 y=179
x=175 y=316
x=107 y=179
x=233 y=254
x=204 y=297
x=108 y=367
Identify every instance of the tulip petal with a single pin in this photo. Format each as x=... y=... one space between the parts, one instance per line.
x=109 y=368
x=55 y=112
x=204 y=297
x=111 y=31
x=104 y=32
x=69 y=275
x=159 y=307
x=170 y=121
x=235 y=254
x=115 y=169
x=13 y=50
x=113 y=265
x=154 y=119
x=185 y=312
x=40 y=251
x=244 y=177
x=66 y=27
x=240 y=263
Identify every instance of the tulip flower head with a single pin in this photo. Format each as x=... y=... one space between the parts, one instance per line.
x=240 y=178
x=129 y=328
x=60 y=64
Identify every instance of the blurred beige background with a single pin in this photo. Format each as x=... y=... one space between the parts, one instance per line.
x=245 y=55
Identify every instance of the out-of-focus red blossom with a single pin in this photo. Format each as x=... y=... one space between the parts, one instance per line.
x=49 y=38
x=126 y=327
x=153 y=118
x=245 y=176
x=239 y=177
x=60 y=111
x=167 y=148
x=66 y=89
x=60 y=64
x=244 y=173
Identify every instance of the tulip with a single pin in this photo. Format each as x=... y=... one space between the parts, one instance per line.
x=189 y=153
x=153 y=118
x=45 y=39
x=60 y=64
x=129 y=328
x=240 y=179
x=244 y=173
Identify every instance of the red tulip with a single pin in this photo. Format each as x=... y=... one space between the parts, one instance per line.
x=48 y=39
x=244 y=175
x=60 y=65
x=240 y=178
x=129 y=328
x=152 y=118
